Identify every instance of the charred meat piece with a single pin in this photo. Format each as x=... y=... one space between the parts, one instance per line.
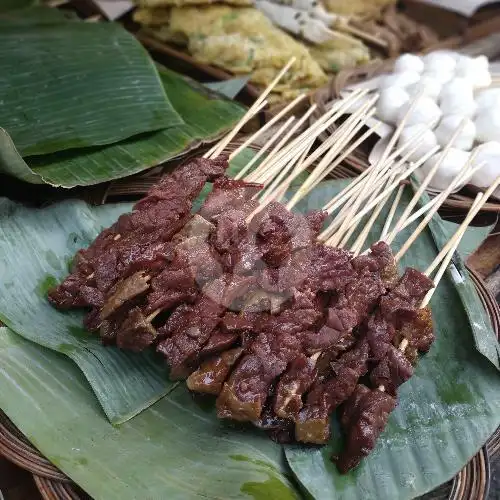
x=210 y=376
x=228 y=288
x=418 y=332
x=297 y=380
x=355 y=301
x=136 y=333
x=400 y=305
x=392 y=371
x=245 y=392
x=123 y=291
x=228 y=194
x=380 y=260
x=379 y=335
x=218 y=342
x=233 y=322
x=364 y=416
x=329 y=268
x=74 y=292
x=188 y=332
x=313 y=422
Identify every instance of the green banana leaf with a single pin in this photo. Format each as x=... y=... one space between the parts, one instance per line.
x=77 y=85
x=205 y=115
x=7 y=5
x=176 y=449
x=230 y=88
x=31 y=14
x=446 y=411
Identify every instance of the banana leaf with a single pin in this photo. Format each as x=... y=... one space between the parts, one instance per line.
x=205 y=115
x=176 y=449
x=446 y=411
x=8 y=5
x=77 y=85
x=230 y=88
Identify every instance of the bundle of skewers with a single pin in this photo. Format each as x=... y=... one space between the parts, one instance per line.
x=280 y=319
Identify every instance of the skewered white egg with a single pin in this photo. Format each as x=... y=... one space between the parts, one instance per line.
x=409 y=62
x=457 y=87
x=441 y=76
x=454 y=103
x=488 y=154
x=389 y=103
x=440 y=62
x=424 y=134
x=488 y=125
x=487 y=99
x=474 y=69
x=428 y=85
x=403 y=79
x=449 y=125
x=424 y=111
x=454 y=159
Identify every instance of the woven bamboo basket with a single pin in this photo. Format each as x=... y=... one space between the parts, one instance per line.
x=471 y=483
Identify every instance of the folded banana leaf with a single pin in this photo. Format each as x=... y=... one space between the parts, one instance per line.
x=176 y=449
x=77 y=85
x=206 y=116
x=446 y=411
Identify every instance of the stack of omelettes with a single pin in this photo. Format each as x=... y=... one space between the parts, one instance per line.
x=249 y=307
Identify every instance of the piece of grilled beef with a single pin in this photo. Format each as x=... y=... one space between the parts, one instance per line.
x=363 y=418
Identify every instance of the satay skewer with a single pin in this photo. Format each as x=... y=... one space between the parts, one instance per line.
x=431 y=212
x=267 y=125
x=392 y=212
x=220 y=146
x=425 y=182
x=297 y=144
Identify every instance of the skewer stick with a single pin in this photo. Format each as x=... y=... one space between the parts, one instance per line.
x=341 y=217
x=225 y=141
x=431 y=212
x=392 y=212
x=269 y=124
x=326 y=165
x=396 y=182
x=428 y=178
x=343 y=24
x=338 y=139
x=446 y=249
x=452 y=245
x=437 y=199
x=263 y=168
x=412 y=145
x=264 y=148
x=315 y=130
x=360 y=241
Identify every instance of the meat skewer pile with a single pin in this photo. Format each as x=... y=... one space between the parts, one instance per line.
x=245 y=303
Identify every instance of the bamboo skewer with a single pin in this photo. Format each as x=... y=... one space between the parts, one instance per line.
x=360 y=241
x=329 y=231
x=428 y=178
x=269 y=124
x=431 y=212
x=451 y=246
x=439 y=199
x=392 y=212
x=413 y=144
x=266 y=146
x=214 y=152
x=396 y=182
x=297 y=145
x=256 y=175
